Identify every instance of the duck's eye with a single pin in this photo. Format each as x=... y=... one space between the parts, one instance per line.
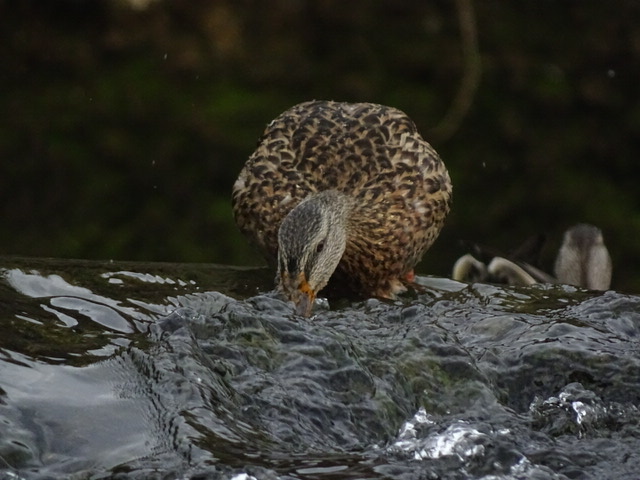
x=320 y=247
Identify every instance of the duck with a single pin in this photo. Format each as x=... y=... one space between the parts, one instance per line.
x=583 y=260
x=345 y=195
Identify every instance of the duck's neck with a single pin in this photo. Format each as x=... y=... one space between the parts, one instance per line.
x=337 y=206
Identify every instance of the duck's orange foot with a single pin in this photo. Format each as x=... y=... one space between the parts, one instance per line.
x=410 y=283
x=398 y=286
x=410 y=276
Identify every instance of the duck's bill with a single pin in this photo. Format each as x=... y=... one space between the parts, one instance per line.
x=298 y=290
x=304 y=298
x=304 y=305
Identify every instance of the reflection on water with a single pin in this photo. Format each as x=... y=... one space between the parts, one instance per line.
x=127 y=371
x=74 y=418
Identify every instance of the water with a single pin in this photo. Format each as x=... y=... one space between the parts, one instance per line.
x=160 y=371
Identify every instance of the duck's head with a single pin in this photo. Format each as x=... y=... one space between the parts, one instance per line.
x=311 y=241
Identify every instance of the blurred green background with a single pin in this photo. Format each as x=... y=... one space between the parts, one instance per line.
x=125 y=123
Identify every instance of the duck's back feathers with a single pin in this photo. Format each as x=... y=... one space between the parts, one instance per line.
x=370 y=152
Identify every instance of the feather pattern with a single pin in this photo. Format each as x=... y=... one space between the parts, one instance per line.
x=398 y=188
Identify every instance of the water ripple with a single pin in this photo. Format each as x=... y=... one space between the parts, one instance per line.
x=462 y=381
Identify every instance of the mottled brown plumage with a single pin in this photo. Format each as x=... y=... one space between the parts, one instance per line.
x=363 y=170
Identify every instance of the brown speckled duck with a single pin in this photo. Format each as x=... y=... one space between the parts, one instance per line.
x=347 y=192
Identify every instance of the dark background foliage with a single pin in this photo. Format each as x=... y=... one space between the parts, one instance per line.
x=125 y=123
